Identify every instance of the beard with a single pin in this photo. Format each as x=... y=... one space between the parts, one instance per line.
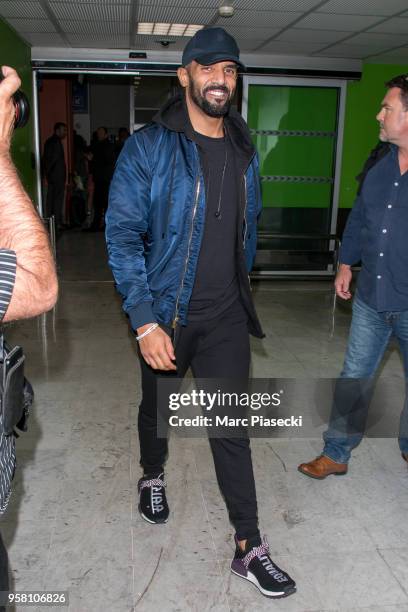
x=216 y=109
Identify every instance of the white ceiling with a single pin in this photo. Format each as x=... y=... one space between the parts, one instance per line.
x=371 y=30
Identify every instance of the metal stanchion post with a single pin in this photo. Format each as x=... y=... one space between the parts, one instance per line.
x=49 y=222
x=53 y=235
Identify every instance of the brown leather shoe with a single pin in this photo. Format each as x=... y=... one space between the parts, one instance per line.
x=405 y=456
x=321 y=467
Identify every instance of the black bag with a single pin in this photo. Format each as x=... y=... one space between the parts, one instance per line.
x=16 y=393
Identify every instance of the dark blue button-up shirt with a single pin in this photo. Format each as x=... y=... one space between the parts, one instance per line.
x=377 y=235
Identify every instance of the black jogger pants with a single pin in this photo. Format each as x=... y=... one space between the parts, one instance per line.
x=218 y=348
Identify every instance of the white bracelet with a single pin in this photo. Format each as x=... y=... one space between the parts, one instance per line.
x=148 y=331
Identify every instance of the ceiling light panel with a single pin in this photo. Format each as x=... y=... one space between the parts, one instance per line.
x=174 y=14
x=177 y=29
x=348 y=23
x=161 y=29
x=31 y=25
x=145 y=28
x=95 y=27
x=364 y=7
x=98 y=12
x=262 y=19
x=168 y=29
x=396 y=25
x=22 y=9
x=192 y=29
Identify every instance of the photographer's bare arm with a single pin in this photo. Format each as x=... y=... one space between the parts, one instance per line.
x=21 y=230
x=156 y=348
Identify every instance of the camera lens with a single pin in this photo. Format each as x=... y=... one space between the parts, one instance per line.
x=22 y=109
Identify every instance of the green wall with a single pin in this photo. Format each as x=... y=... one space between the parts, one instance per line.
x=361 y=127
x=16 y=53
x=282 y=108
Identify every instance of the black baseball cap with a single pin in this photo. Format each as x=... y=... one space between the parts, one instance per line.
x=211 y=45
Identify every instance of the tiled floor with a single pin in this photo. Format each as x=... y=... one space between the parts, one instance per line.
x=73 y=524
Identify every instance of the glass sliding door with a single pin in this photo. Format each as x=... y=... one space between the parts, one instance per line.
x=296 y=127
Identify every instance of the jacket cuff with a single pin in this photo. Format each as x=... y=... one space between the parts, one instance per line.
x=141 y=314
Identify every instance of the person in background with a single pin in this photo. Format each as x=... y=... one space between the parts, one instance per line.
x=375 y=234
x=28 y=281
x=103 y=164
x=123 y=135
x=78 y=208
x=55 y=172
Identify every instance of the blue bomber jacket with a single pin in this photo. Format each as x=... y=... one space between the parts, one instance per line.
x=156 y=215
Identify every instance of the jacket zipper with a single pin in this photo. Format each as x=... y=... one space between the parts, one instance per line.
x=174 y=323
x=245 y=209
x=175 y=319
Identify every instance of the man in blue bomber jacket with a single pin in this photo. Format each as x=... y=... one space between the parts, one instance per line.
x=181 y=235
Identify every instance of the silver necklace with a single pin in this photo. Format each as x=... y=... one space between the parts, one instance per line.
x=217 y=213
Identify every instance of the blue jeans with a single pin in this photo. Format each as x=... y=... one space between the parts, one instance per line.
x=370 y=333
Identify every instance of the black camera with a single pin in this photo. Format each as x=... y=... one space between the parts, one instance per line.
x=21 y=107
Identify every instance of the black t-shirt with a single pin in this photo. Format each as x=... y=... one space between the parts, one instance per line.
x=216 y=284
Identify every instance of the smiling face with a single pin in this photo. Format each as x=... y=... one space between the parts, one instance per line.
x=393 y=118
x=211 y=88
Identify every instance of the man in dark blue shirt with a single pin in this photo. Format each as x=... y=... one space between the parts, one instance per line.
x=377 y=235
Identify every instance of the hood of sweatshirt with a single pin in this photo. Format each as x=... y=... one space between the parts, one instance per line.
x=174 y=116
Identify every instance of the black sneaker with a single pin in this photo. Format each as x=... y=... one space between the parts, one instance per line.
x=153 y=503
x=255 y=564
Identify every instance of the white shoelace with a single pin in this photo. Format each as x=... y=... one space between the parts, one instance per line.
x=263 y=551
x=156 y=495
x=257 y=551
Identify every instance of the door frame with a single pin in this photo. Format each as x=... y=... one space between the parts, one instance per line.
x=46 y=68
x=341 y=85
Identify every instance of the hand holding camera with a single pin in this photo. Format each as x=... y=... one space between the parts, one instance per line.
x=14 y=108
